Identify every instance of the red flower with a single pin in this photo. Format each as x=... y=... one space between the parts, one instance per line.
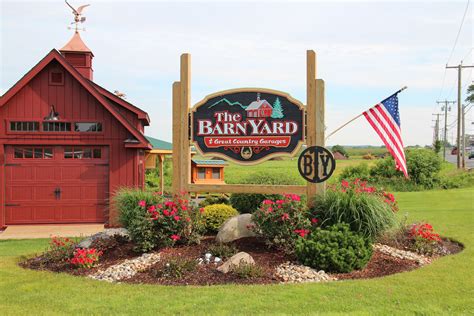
x=267 y=202
x=151 y=208
x=175 y=237
x=314 y=220
x=345 y=183
x=201 y=210
x=142 y=203
x=302 y=232
x=176 y=218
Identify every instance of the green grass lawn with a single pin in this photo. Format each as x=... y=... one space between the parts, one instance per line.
x=444 y=287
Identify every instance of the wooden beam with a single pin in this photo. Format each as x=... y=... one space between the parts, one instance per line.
x=176 y=137
x=247 y=188
x=320 y=126
x=161 y=159
x=311 y=112
x=185 y=105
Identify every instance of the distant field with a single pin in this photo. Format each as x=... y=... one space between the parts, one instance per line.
x=235 y=173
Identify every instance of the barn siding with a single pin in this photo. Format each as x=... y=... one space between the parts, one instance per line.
x=72 y=102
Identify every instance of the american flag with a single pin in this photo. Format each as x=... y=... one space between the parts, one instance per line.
x=385 y=119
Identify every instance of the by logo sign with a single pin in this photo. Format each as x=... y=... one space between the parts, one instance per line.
x=316 y=164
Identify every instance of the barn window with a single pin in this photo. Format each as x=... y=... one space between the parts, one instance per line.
x=82 y=153
x=33 y=153
x=56 y=127
x=56 y=77
x=88 y=127
x=24 y=126
x=216 y=173
x=201 y=173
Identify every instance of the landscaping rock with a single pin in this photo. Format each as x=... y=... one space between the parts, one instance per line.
x=402 y=254
x=127 y=268
x=105 y=234
x=235 y=261
x=293 y=273
x=235 y=228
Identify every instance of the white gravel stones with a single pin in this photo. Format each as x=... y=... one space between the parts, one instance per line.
x=127 y=268
x=402 y=254
x=293 y=273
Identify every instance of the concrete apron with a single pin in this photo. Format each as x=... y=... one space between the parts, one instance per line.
x=46 y=231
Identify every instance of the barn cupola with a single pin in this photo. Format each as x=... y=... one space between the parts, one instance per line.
x=79 y=55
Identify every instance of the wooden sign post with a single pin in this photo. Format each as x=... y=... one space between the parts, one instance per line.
x=183 y=128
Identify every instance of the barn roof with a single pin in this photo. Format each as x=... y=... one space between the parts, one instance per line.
x=76 y=44
x=209 y=162
x=55 y=55
x=159 y=144
x=256 y=105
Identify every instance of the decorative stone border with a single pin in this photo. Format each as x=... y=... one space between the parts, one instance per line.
x=402 y=254
x=292 y=273
x=127 y=268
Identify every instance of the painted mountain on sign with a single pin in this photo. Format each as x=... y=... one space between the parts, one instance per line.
x=228 y=103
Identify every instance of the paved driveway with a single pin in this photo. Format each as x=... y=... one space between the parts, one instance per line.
x=46 y=231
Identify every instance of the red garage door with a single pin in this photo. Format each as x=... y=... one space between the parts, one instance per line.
x=56 y=184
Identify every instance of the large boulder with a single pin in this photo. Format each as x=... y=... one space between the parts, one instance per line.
x=235 y=228
x=235 y=261
x=105 y=234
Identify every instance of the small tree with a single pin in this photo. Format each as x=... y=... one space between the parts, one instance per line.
x=470 y=93
x=340 y=149
x=277 y=112
x=437 y=146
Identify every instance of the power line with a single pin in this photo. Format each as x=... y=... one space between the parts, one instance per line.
x=459 y=32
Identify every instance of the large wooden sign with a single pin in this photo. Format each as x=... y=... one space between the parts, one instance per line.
x=248 y=126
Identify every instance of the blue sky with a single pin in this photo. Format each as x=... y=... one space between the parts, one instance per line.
x=365 y=50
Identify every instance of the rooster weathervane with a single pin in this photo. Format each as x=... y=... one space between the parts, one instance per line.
x=78 y=18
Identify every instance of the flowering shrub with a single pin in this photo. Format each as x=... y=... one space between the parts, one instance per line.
x=335 y=249
x=366 y=209
x=85 y=258
x=423 y=238
x=165 y=223
x=60 y=249
x=281 y=222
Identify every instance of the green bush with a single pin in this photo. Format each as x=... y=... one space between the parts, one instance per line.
x=214 y=199
x=215 y=215
x=423 y=168
x=280 y=222
x=176 y=268
x=335 y=249
x=249 y=202
x=368 y=211
x=340 y=149
x=126 y=200
x=360 y=171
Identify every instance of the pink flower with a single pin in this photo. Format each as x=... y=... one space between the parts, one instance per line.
x=267 y=202
x=142 y=203
x=151 y=208
x=280 y=202
x=285 y=216
x=166 y=213
x=175 y=237
x=176 y=218
x=314 y=220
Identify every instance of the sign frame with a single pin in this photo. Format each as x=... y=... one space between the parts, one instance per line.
x=282 y=94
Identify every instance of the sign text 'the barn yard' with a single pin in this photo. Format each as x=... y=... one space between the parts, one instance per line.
x=248 y=125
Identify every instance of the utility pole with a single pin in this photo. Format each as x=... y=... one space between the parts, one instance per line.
x=436 y=129
x=445 y=108
x=459 y=67
x=464 y=136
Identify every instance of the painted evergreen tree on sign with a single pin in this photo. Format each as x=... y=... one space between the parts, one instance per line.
x=277 y=112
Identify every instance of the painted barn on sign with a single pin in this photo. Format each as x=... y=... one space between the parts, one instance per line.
x=67 y=143
x=259 y=108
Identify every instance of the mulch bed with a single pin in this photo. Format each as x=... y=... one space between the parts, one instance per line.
x=206 y=274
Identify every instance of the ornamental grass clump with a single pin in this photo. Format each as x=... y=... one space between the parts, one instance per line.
x=281 y=222
x=367 y=210
x=335 y=249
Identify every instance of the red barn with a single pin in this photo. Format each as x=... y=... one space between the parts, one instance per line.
x=67 y=143
x=259 y=108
